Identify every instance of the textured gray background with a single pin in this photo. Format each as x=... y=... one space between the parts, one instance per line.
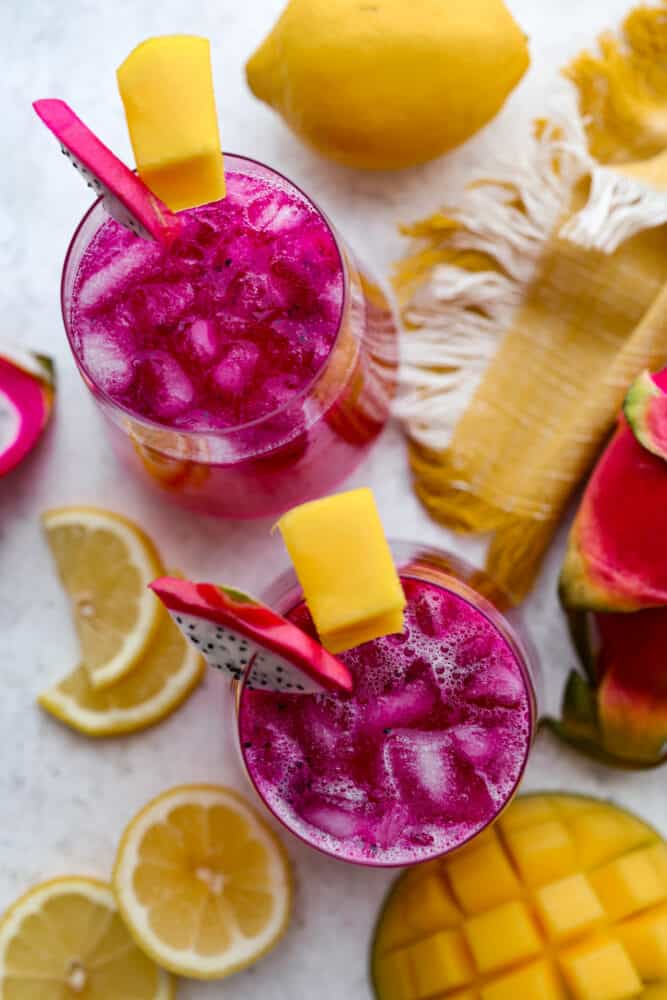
x=64 y=800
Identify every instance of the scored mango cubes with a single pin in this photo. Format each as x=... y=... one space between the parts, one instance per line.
x=166 y=85
x=564 y=898
x=345 y=568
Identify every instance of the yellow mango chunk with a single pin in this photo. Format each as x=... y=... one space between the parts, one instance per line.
x=628 y=885
x=600 y=971
x=645 y=940
x=440 y=963
x=538 y=980
x=345 y=567
x=604 y=833
x=544 y=852
x=658 y=858
x=567 y=806
x=502 y=937
x=527 y=812
x=568 y=907
x=393 y=976
x=166 y=85
x=393 y=932
x=429 y=906
x=499 y=884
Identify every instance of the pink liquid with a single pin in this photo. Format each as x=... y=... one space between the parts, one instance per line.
x=231 y=323
x=247 y=369
x=424 y=754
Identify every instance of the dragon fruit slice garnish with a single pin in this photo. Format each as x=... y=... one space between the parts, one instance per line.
x=26 y=400
x=237 y=634
x=125 y=196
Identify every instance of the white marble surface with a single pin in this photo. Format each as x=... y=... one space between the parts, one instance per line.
x=64 y=800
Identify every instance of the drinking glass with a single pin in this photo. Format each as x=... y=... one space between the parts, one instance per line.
x=302 y=449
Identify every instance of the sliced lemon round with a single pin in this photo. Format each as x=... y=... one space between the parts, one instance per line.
x=202 y=882
x=106 y=563
x=65 y=939
x=168 y=672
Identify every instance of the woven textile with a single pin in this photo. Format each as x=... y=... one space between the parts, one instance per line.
x=531 y=305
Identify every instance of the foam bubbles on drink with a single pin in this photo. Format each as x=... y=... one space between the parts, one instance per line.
x=411 y=765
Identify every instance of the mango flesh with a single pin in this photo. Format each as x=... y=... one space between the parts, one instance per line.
x=565 y=898
x=386 y=84
x=345 y=567
x=166 y=85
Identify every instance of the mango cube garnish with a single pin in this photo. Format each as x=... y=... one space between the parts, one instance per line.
x=166 y=85
x=345 y=567
x=565 y=898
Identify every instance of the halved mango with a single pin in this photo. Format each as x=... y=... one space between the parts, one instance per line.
x=565 y=898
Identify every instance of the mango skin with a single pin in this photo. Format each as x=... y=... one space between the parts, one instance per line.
x=385 y=84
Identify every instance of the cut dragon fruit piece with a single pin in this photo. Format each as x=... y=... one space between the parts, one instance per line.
x=26 y=400
x=236 y=633
x=125 y=196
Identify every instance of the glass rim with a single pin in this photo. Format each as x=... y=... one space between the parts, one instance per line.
x=406 y=553
x=223 y=432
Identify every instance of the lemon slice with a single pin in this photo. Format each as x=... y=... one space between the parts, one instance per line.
x=106 y=563
x=202 y=883
x=65 y=939
x=168 y=672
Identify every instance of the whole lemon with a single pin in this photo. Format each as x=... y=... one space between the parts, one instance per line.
x=384 y=84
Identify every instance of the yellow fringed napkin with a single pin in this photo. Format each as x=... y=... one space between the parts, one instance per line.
x=531 y=306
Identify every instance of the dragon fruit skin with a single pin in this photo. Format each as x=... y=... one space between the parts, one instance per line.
x=618 y=712
x=645 y=410
x=125 y=195
x=617 y=551
x=238 y=634
x=614 y=590
x=26 y=402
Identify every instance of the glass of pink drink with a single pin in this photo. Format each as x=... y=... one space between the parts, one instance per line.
x=430 y=747
x=246 y=369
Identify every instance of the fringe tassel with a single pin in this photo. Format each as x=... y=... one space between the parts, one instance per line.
x=618 y=208
x=623 y=89
x=456 y=316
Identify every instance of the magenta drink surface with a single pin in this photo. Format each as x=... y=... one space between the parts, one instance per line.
x=230 y=323
x=236 y=362
x=422 y=756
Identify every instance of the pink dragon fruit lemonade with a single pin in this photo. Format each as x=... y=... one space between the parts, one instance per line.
x=246 y=368
x=423 y=755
